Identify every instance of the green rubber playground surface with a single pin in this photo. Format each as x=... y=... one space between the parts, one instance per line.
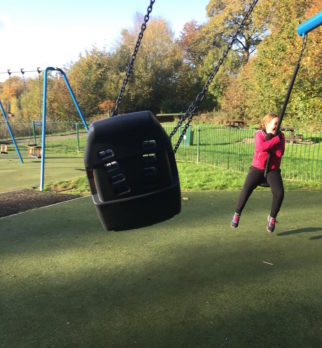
x=15 y=176
x=191 y=281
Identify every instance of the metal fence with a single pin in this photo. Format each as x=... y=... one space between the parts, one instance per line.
x=225 y=147
x=233 y=148
x=32 y=129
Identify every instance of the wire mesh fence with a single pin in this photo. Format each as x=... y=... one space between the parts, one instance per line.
x=225 y=147
x=233 y=148
x=62 y=136
x=29 y=130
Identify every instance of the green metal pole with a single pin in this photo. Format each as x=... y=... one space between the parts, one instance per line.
x=77 y=136
x=318 y=175
x=34 y=132
x=198 y=144
x=228 y=148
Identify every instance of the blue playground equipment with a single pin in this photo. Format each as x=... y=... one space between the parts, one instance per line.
x=43 y=136
x=4 y=144
x=304 y=28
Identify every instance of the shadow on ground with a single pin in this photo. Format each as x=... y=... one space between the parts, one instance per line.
x=302 y=230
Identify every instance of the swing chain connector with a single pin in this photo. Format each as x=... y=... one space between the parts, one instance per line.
x=200 y=96
x=133 y=57
x=303 y=49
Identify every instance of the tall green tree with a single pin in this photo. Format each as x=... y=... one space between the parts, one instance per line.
x=31 y=100
x=119 y=61
x=12 y=92
x=87 y=77
x=152 y=85
x=275 y=61
x=195 y=46
x=262 y=83
x=224 y=18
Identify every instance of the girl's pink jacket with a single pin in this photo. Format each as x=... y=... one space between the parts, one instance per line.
x=263 y=147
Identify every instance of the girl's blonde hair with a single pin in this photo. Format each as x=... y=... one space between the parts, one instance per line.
x=268 y=118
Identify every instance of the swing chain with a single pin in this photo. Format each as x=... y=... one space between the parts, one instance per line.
x=200 y=96
x=302 y=49
x=24 y=80
x=8 y=102
x=286 y=100
x=39 y=90
x=25 y=90
x=133 y=57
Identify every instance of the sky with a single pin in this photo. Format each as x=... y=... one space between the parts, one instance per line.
x=41 y=33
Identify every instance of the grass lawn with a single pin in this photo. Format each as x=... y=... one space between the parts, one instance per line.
x=14 y=175
x=191 y=281
x=64 y=164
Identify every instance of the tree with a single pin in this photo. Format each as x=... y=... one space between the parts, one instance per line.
x=87 y=77
x=224 y=18
x=195 y=46
x=11 y=95
x=119 y=61
x=276 y=58
x=152 y=85
x=262 y=83
x=233 y=103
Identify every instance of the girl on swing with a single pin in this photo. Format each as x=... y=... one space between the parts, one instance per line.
x=265 y=143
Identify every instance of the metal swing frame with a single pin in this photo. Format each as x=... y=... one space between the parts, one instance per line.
x=10 y=132
x=44 y=114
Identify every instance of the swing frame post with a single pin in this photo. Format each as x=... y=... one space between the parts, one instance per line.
x=198 y=144
x=77 y=136
x=10 y=132
x=34 y=131
x=44 y=114
x=309 y=25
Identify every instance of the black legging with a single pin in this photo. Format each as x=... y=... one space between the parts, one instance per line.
x=254 y=178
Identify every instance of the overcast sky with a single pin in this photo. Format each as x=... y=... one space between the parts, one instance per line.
x=54 y=33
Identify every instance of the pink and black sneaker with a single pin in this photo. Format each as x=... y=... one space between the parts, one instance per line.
x=271 y=224
x=235 y=220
